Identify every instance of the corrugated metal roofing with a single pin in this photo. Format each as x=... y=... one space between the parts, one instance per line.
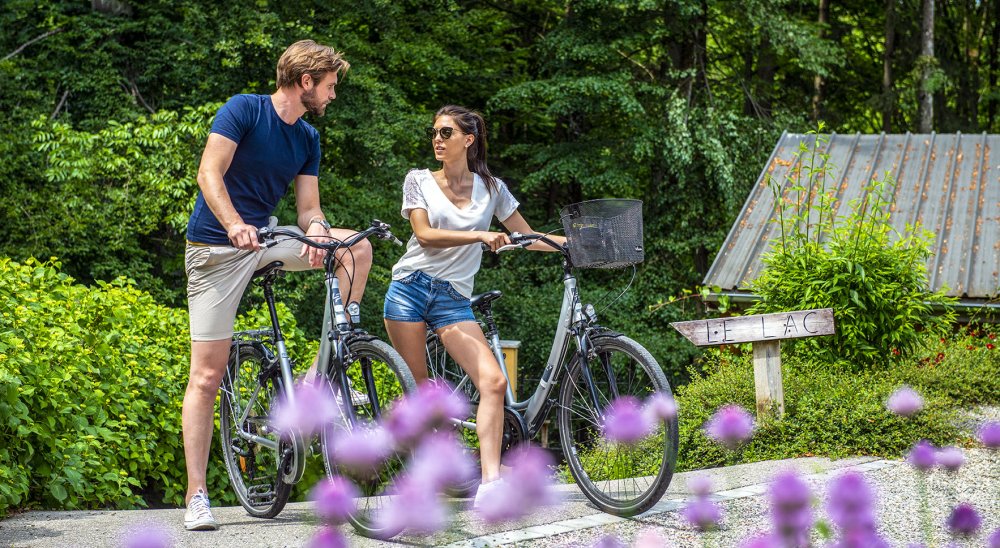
x=948 y=183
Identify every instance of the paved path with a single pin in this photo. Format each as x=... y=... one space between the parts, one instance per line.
x=576 y=518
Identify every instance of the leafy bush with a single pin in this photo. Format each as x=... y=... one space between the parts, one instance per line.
x=91 y=385
x=873 y=279
x=833 y=413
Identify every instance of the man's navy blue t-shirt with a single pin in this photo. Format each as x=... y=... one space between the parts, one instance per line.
x=269 y=154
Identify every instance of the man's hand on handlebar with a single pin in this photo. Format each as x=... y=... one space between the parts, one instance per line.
x=243 y=236
x=316 y=255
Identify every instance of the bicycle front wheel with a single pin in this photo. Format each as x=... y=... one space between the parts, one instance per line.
x=620 y=479
x=249 y=389
x=379 y=378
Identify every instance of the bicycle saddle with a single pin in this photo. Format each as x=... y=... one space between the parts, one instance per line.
x=267 y=269
x=484 y=299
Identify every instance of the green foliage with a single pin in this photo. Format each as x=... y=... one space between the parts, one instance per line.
x=874 y=280
x=91 y=385
x=829 y=412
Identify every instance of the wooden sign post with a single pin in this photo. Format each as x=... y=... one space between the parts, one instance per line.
x=765 y=331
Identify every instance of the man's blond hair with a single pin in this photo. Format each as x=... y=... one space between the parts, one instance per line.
x=308 y=57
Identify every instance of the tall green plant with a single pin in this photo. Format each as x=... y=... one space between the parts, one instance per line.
x=872 y=276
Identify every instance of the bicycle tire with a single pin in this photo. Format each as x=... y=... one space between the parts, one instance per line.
x=608 y=474
x=396 y=381
x=441 y=367
x=253 y=469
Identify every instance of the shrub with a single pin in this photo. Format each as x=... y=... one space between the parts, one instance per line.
x=874 y=279
x=91 y=385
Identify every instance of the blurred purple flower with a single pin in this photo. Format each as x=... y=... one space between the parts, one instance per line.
x=660 y=407
x=703 y=514
x=700 y=485
x=413 y=506
x=441 y=461
x=993 y=541
x=527 y=486
x=625 y=422
x=148 y=536
x=313 y=406
x=334 y=499
x=791 y=512
x=731 y=425
x=950 y=458
x=989 y=434
x=964 y=521
x=922 y=456
x=649 y=538
x=361 y=451
x=430 y=407
x=609 y=541
x=762 y=541
x=851 y=507
x=905 y=401
x=328 y=537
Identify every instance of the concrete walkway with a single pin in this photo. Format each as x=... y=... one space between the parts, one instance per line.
x=296 y=525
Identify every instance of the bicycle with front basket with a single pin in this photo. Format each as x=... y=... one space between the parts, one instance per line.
x=364 y=375
x=588 y=367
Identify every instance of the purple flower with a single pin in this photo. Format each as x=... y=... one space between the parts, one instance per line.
x=609 y=541
x=994 y=539
x=649 y=538
x=731 y=425
x=989 y=434
x=964 y=521
x=148 y=536
x=703 y=514
x=430 y=407
x=328 y=537
x=334 y=499
x=850 y=505
x=791 y=512
x=700 y=485
x=527 y=486
x=905 y=401
x=441 y=461
x=312 y=407
x=660 y=407
x=625 y=422
x=361 y=451
x=950 y=458
x=762 y=541
x=412 y=506
x=922 y=456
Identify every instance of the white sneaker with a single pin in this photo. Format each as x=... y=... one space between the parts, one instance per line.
x=199 y=514
x=485 y=491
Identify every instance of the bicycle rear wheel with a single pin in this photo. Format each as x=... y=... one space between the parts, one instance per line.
x=249 y=389
x=623 y=480
x=379 y=378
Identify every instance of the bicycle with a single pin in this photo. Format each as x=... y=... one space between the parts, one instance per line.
x=263 y=463
x=603 y=366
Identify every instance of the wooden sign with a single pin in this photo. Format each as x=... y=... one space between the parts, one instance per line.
x=760 y=327
x=765 y=331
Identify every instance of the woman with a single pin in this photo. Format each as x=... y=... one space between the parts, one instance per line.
x=451 y=210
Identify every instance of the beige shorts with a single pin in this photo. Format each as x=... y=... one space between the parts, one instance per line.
x=219 y=274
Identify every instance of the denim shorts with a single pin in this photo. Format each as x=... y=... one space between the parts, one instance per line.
x=421 y=298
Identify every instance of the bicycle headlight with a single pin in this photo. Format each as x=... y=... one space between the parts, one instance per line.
x=590 y=313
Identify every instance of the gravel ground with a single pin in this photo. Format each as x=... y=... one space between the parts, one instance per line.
x=897 y=501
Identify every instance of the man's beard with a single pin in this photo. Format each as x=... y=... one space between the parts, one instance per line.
x=312 y=105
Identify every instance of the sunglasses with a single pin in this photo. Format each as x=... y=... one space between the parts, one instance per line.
x=445 y=132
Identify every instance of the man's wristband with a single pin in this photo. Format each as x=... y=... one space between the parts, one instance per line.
x=322 y=222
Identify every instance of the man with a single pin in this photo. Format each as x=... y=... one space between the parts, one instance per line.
x=257 y=146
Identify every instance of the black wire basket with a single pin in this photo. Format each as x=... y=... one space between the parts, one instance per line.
x=604 y=233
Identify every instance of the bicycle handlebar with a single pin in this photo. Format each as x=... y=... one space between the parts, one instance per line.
x=267 y=234
x=519 y=240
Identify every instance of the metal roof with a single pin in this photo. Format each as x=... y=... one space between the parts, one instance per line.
x=948 y=183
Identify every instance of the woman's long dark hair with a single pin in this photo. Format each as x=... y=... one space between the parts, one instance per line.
x=471 y=122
